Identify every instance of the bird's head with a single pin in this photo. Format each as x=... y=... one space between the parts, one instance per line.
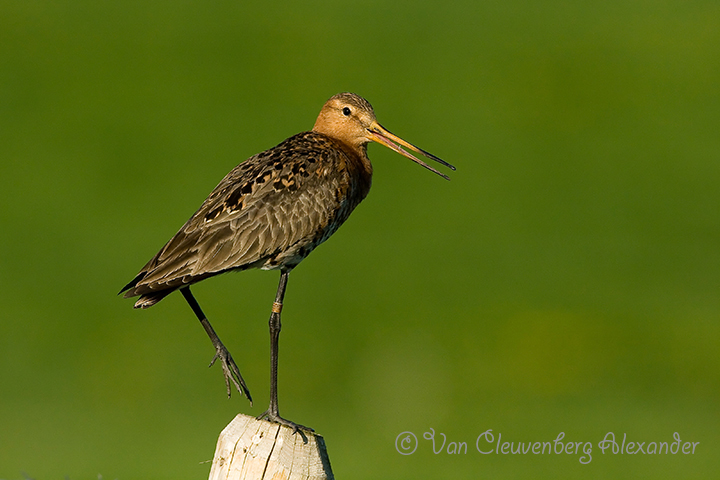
x=349 y=118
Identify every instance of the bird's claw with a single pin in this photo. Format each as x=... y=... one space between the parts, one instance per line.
x=231 y=372
x=275 y=418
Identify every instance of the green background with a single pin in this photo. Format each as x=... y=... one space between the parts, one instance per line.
x=565 y=280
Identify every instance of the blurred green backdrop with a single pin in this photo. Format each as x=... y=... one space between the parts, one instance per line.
x=565 y=280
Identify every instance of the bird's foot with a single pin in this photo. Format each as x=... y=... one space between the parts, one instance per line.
x=275 y=418
x=230 y=371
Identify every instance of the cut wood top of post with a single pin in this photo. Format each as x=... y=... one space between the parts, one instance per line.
x=251 y=449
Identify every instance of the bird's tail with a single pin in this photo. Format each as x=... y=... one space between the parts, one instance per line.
x=147 y=301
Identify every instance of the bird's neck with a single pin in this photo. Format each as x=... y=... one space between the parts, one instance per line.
x=358 y=163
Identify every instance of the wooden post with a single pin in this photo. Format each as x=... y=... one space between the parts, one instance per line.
x=251 y=449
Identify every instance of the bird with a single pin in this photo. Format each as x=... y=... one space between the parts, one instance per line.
x=270 y=212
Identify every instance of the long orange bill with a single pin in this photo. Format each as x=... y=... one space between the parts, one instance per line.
x=381 y=135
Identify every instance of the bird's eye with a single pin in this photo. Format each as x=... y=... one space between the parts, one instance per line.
x=346 y=111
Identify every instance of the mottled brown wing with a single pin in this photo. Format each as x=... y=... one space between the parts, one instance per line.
x=268 y=212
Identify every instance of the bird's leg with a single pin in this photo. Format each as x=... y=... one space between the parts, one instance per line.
x=230 y=369
x=272 y=414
